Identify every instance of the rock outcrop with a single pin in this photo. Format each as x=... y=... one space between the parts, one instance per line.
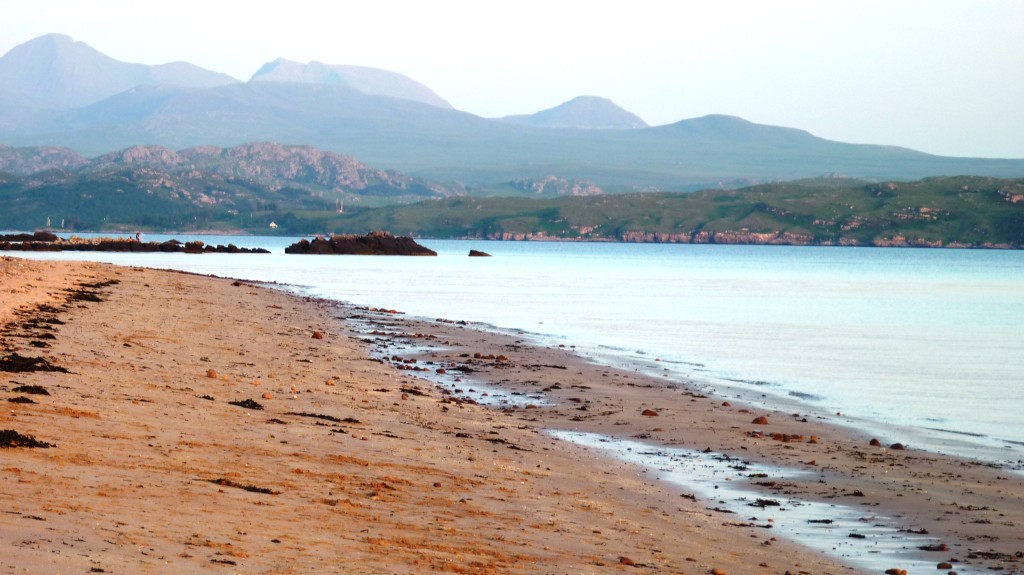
x=377 y=243
x=42 y=242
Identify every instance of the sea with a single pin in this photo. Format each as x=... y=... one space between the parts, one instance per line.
x=924 y=347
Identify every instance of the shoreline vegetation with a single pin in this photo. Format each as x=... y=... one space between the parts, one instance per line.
x=274 y=433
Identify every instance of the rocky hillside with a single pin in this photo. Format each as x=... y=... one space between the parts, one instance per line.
x=274 y=165
x=152 y=187
x=29 y=160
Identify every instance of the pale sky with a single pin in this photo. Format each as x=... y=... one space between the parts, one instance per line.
x=940 y=76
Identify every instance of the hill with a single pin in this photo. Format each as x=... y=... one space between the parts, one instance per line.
x=935 y=212
x=299 y=189
x=151 y=187
x=584 y=113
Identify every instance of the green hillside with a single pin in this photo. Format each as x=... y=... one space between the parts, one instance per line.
x=947 y=211
x=963 y=211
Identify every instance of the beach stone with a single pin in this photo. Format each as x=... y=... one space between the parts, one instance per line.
x=726 y=404
x=717 y=571
x=649 y=413
x=760 y=420
x=895 y=572
x=897 y=447
x=875 y=443
x=626 y=561
x=211 y=373
x=318 y=335
x=944 y=566
x=478 y=254
x=268 y=395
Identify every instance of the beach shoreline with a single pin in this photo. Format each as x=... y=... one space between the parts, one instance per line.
x=358 y=457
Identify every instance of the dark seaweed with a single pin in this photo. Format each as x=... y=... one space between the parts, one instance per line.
x=11 y=438
x=31 y=389
x=315 y=415
x=252 y=488
x=15 y=363
x=248 y=404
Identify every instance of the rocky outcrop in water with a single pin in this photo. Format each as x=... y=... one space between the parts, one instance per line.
x=373 y=244
x=40 y=242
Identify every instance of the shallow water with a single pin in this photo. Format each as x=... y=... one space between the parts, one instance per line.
x=870 y=542
x=927 y=340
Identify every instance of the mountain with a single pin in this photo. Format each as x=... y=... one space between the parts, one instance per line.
x=333 y=109
x=57 y=71
x=372 y=81
x=584 y=113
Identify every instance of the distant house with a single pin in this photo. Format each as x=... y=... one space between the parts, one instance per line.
x=273 y=225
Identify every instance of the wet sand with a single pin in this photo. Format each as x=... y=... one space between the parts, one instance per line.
x=358 y=464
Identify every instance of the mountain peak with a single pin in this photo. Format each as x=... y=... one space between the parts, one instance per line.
x=56 y=70
x=371 y=81
x=583 y=112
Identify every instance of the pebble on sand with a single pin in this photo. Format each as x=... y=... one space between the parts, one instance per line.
x=649 y=413
x=760 y=420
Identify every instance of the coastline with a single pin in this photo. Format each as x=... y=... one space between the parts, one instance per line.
x=408 y=478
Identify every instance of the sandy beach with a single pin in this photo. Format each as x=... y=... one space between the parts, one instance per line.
x=212 y=425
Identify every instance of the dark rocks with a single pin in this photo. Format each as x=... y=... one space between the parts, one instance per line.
x=760 y=420
x=373 y=244
x=478 y=254
x=39 y=236
x=875 y=443
x=897 y=447
x=121 y=245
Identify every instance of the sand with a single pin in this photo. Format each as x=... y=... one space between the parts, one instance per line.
x=359 y=465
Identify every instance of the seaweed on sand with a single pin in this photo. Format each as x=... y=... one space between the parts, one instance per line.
x=11 y=438
x=15 y=363
x=32 y=389
x=316 y=416
x=248 y=404
x=252 y=488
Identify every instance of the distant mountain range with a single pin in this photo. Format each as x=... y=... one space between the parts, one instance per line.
x=57 y=92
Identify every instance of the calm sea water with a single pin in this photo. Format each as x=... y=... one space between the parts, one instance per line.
x=928 y=341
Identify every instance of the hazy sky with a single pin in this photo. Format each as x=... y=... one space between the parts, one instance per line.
x=941 y=76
